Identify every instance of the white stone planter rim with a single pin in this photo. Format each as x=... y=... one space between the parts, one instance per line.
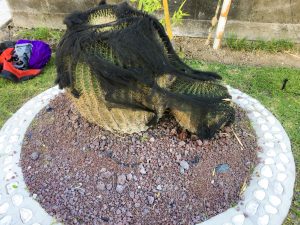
x=266 y=200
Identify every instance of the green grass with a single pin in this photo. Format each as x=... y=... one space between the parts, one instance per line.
x=13 y=95
x=41 y=33
x=260 y=82
x=264 y=84
x=272 y=46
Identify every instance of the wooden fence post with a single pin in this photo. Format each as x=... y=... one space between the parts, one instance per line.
x=222 y=23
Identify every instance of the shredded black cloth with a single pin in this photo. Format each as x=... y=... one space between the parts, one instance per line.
x=128 y=51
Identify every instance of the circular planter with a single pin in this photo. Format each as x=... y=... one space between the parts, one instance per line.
x=266 y=200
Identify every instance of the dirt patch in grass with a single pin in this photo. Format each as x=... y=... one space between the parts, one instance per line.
x=85 y=175
x=195 y=48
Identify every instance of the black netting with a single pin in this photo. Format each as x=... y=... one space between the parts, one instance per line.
x=132 y=58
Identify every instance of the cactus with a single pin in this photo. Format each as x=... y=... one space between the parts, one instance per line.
x=122 y=73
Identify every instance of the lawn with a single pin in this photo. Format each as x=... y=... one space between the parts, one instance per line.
x=12 y=95
x=262 y=83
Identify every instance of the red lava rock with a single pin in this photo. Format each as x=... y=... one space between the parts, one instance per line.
x=183 y=135
x=86 y=175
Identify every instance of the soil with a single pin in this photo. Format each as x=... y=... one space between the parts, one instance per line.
x=195 y=48
x=82 y=174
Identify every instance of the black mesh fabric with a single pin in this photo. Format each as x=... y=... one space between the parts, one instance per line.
x=135 y=66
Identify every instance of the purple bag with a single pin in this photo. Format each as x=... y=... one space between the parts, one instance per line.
x=40 y=54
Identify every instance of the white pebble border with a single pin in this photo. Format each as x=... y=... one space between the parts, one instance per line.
x=266 y=200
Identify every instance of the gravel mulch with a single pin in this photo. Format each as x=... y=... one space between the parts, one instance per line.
x=82 y=174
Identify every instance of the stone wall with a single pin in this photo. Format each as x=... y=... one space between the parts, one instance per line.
x=253 y=19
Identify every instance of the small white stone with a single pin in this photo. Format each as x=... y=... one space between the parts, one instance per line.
x=283 y=147
x=271 y=153
x=269 y=161
x=16 y=130
x=256 y=114
x=266 y=171
x=3 y=138
x=268 y=136
x=184 y=165
x=121 y=179
x=270 y=144
x=28 y=113
x=278 y=189
x=11 y=187
x=259 y=195
x=3 y=208
x=281 y=177
x=26 y=215
x=244 y=102
x=8 y=160
x=13 y=139
x=17 y=200
x=271 y=119
x=263 y=220
x=275 y=200
x=250 y=108
x=9 y=175
x=159 y=187
x=251 y=207
x=263 y=183
x=7 y=168
x=280 y=167
x=264 y=127
x=283 y=158
x=142 y=169
x=270 y=209
x=6 y=220
x=276 y=129
x=278 y=136
x=238 y=219
x=8 y=149
x=260 y=107
x=261 y=121
x=120 y=188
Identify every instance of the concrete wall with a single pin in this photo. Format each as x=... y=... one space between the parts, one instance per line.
x=5 y=15
x=253 y=19
x=263 y=11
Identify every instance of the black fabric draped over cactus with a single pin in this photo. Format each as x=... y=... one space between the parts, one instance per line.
x=114 y=58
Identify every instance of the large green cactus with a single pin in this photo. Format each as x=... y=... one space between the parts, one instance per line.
x=123 y=73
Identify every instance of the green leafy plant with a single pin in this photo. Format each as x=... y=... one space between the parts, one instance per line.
x=148 y=6
x=179 y=15
x=151 y=6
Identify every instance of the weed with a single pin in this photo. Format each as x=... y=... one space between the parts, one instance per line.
x=148 y=6
x=179 y=15
x=243 y=44
x=152 y=6
x=41 y=33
